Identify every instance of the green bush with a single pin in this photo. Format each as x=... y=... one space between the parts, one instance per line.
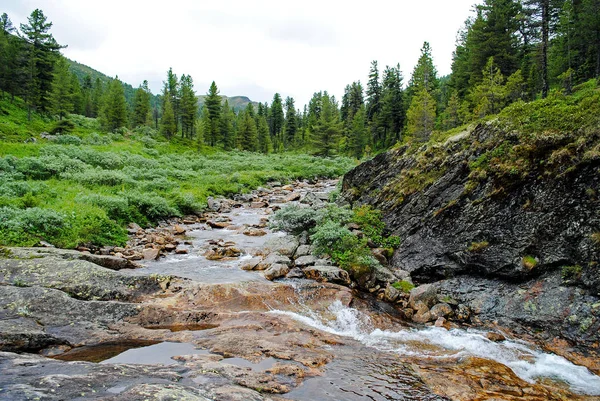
x=151 y=206
x=67 y=140
x=403 y=286
x=62 y=127
x=371 y=223
x=96 y=139
x=294 y=219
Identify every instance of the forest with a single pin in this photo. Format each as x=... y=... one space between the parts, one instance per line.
x=71 y=139
x=508 y=51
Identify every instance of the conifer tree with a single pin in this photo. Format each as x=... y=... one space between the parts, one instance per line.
x=328 y=128
x=61 y=97
x=358 y=134
x=114 y=108
x=9 y=49
x=264 y=137
x=212 y=106
x=291 y=122
x=188 y=106
x=141 y=105
x=97 y=97
x=173 y=88
x=42 y=51
x=168 y=128
x=421 y=115
x=77 y=97
x=247 y=131
x=226 y=126
x=373 y=92
x=488 y=97
x=392 y=106
x=276 y=119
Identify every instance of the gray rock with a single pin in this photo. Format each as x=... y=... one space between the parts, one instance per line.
x=273 y=259
x=276 y=271
x=425 y=293
x=295 y=273
x=392 y=294
x=302 y=250
x=285 y=245
x=213 y=204
x=440 y=310
x=251 y=264
x=327 y=274
x=307 y=260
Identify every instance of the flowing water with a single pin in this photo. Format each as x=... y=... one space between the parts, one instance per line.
x=377 y=363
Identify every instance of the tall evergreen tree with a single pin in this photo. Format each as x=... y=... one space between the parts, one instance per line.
x=9 y=49
x=291 y=122
x=276 y=117
x=212 y=106
x=97 y=97
x=357 y=140
x=61 y=96
x=114 y=108
x=421 y=115
x=247 y=131
x=226 y=124
x=42 y=51
x=168 y=128
x=188 y=106
x=393 y=112
x=173 y=87
x=373 y=92
x=264 y=137
x=488 y=96
x=327 y=130
x=77 y=97
x=141 y=105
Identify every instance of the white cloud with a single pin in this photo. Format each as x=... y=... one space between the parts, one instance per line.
x=252 y=48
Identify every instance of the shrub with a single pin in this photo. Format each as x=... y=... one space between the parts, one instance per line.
x=152 y=206
x=116 y=207
x=529 y=262
x=333 y=212
x=403 y=286
x=372 y=225
x=331 y=238
x=96 y=139
x=294 y=219
x=96 y=177
x=148 y=142
x=62 y=127
x=571 y=272
x=187 y=204
x=67 y=140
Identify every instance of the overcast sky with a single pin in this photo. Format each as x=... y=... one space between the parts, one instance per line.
x=253 y=48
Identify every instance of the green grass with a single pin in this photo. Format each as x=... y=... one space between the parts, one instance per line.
x=403 y=286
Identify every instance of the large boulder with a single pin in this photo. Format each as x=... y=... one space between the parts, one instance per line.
x=425 y=294
x=276 y=271
x=285 y=245
x=331 y=274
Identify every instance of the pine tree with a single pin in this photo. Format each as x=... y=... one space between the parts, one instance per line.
x=247 y=131
x=61 y=96
x=173 y=88
x=276 y=119
x=168 y=128
x=488 y=97
x=291 y=122
x=97 y=97
x=141 y=105
x=357 y=140
x=114 y=108
x=188 y=106
x=226 y=125
x=393 y=112
x=328 y=128
x=264 y=137
x=77 y=97
x=42 y=51
x=421 y=115
x=9 y=49
x=373 y=92
x=212 y=106
x=424 y=75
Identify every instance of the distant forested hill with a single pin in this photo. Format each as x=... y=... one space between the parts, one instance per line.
x=81 y=70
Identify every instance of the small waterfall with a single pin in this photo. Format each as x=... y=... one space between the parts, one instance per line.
x=528 y=362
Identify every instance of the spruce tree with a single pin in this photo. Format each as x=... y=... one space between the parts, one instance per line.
x=291 y=122
x=226 y=126
x=168 y=128
x=264 y=137
x=113 y=114
x=77 y=97
x=421 y=115
x=212 y=106
x=188 y=106
x=327 y=130
x=488 y=97
x=276 y=119
x=141 y=105
x=61 y=96
x=247 y=131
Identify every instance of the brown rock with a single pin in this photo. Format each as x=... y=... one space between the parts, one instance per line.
x=218 y=224
x=254 y=232
x=182 y=251
x=441 y=322
x=251 y=263
x=495 y=337
x=150 y=253
x=178 y=230
x=276 y=271
x=440 y=310
x=379 y=254
x=425 y=293
x=294 y=196
x=258 y=205
x=170 y=247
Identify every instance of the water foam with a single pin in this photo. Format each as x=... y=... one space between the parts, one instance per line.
x=528 y=362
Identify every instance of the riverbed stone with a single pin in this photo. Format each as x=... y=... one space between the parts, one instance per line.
x=273 y=259
x=285 y=245
x=251 y=264
x=151 y=253
x=425 y=293
x=254 y=232
x=440 y=310
x=276 y=270
x=327 y=274
x=302 y=250
x=294 y=196
x=307 y=260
